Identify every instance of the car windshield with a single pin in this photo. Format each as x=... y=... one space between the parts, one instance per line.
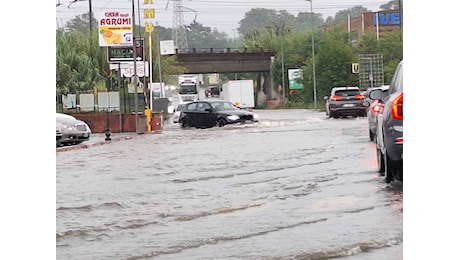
x=347 y=92
x=187 y=89
x=219 y=106
x=180 y=107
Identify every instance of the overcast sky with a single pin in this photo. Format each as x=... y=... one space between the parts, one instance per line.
x=224 y=15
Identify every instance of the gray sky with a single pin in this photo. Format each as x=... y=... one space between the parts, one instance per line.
x=221 y=14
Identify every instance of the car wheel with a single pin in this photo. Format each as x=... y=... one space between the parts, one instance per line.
x=221 y=122
x=380 y=162
x=371 y=135
x=389 y=169
x=185 y=123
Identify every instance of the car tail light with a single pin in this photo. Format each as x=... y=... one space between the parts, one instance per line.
x=399 y=140
x=359 y=96
x=397 y=107
x=336 y=98
x=377 y=108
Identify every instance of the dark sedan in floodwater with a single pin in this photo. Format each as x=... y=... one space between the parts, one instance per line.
x=210 y=113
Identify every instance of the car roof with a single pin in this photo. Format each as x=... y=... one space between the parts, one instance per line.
x=62 y=115
x=335 y=89
x=345 y=88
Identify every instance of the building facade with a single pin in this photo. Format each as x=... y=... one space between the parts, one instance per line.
x=373 y=23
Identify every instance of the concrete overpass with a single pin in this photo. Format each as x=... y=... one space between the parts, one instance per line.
x=198 y=61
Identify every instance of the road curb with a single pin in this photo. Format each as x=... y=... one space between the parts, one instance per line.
x=84 y=146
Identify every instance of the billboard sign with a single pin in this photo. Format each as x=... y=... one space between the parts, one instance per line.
x=115 y=29
x=295 y=78
x=125 y=53
x=127 y=69
x=167 y=47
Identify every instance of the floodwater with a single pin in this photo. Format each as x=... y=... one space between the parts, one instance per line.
x=297 y=185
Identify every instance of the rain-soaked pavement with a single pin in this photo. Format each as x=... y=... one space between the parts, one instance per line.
x=297 y=185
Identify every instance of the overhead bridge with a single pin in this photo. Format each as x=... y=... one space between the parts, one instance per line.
x=202 y=61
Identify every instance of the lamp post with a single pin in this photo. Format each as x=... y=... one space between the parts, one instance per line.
x=313 y=52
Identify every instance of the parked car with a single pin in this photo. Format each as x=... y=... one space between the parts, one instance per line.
x=58 y=134
x=389 y=135
x=374 y=110
x=345 y=101
x=210 y=113
x=177 y=112
x=73 y=131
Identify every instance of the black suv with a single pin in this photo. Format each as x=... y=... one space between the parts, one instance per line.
x=345 y=101
x=390 y=128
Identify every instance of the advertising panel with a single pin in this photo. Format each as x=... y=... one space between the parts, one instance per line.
x=167 y=47
x=125 y=53
x=295 y=78
x=127 y=69
x=115 y=28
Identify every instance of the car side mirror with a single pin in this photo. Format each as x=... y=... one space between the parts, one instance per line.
x=325 y=97
x=376 y=94
x=208 y=110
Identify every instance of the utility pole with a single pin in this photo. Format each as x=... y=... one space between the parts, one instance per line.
x=313 y=51
x=135 y=71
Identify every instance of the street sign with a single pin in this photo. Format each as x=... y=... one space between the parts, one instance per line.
x=355 y=68
x=125 y=53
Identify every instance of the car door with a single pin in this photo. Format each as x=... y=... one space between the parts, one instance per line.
x=189 y=113
x=205 y=115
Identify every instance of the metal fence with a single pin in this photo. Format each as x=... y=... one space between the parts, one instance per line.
x=113 y=101
x=370 y=71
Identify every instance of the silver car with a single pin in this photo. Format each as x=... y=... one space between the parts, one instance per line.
x=374 y=109
x=389 y=135
x=177 y=111
x=71 y=130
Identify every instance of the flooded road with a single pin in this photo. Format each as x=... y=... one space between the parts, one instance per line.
x=297 y=185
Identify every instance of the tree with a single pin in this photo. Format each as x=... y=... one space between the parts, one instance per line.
x=333 y=60
x=355 y=11
x=75 y=69
x=394 y=4
x=199 y=36
x=257 y=19
x=81 y=24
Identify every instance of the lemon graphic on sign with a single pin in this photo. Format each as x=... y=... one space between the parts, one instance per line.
x=111 y=37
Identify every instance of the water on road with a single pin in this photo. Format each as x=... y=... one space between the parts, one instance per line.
x=297 y=185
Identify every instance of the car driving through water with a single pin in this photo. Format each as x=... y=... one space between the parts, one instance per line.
x=210 y=113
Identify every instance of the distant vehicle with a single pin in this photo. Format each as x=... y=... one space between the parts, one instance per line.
x=210 y=113
x=239 y=92
x=389 y=135
x=375 y=108
x=345 y=101
x=72 y=130
x=177 y=112
x=188 y=86
x=212 y=91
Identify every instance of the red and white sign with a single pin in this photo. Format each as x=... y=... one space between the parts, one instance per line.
x=115 y=28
